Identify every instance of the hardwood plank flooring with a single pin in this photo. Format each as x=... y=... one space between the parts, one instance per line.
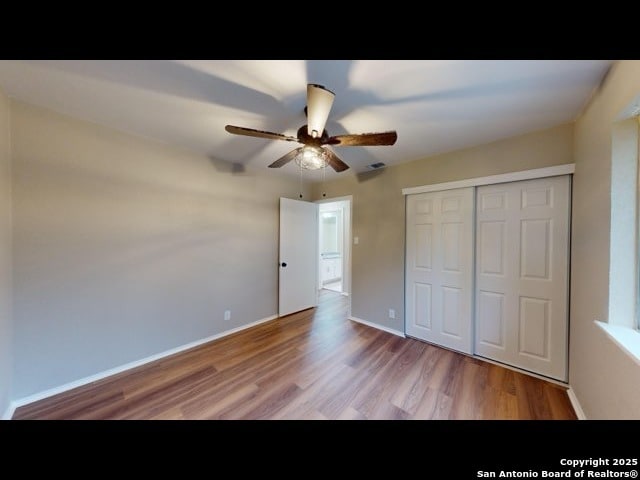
x=312 y=365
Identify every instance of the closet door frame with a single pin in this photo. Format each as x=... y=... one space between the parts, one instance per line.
x=564 y=169
x=556 y=170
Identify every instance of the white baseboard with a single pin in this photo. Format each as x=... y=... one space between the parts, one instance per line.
x=576 y=404
x=8 y=414
x=379 y=327
x=127 y=366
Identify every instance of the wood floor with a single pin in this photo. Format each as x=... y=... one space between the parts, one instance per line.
x=314 y=364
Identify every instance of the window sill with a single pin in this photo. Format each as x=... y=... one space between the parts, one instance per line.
x=628 y=339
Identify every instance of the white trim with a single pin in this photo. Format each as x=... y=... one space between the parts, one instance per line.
x=554 y=171
x=335 y=199
x=8 y=414
x=628 y=339
x=379 y=327
x=576 y=404
x=128 y=366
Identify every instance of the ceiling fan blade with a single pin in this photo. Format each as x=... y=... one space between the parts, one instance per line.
x=337 y=164
x=319 y=102
x=285 y=158
x=364 y=139
x=250 y=132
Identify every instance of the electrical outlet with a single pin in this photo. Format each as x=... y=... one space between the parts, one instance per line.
x=392 y=313
x=227 y=314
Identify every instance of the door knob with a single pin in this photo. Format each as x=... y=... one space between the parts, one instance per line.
x=283 y=264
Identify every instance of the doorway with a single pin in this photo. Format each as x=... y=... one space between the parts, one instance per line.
x=334 y=259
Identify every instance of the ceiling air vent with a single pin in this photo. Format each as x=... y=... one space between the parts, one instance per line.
x=376 y=166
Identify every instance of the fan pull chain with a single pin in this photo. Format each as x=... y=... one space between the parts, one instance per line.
x=300 y=181
x=324 y=169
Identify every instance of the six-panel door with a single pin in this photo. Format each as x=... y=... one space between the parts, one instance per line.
x=439 y=268
x=522 y=243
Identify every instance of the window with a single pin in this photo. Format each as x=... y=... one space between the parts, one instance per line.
x=623 y=323
x=623 y=264
x=637 y=203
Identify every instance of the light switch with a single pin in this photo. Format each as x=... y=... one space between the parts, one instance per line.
x=356 y=240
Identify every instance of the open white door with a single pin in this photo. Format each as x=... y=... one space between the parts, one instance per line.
x=298 y=256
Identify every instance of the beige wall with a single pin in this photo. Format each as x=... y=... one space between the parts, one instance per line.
x=606 y=381
x=6 y=334
x=378 y=209
x=125 y=247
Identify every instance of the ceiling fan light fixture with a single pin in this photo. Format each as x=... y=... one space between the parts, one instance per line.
x=314 y=136
x=312 y=158
x=319 y=103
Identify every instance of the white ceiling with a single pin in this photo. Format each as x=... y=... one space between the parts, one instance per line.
x=434 y=105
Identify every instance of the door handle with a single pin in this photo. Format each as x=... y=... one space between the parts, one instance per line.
x=283 y=264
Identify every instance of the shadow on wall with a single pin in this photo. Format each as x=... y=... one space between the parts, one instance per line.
x=116 y=266
x=139 y=224
x=369 y=175
x=233 y=168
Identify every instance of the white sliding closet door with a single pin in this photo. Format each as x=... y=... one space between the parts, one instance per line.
x=522 y=243
x=439 y=268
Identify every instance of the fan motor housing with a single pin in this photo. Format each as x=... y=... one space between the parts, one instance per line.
x=304 y=137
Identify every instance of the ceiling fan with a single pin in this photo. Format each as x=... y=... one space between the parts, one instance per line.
x=314 y=155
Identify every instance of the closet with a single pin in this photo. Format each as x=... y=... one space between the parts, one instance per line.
x=439 y=270
x=487 y=271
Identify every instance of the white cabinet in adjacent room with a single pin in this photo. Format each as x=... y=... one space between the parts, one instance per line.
x=331 y=269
